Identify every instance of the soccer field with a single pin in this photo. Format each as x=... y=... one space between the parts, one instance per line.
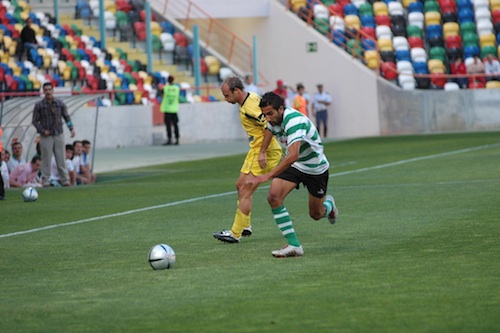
x=416 y=248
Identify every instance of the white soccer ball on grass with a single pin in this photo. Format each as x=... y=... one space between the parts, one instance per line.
x=161 y=256
x=30 y=194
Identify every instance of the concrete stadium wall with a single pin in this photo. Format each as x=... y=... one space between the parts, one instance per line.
x=282 y=40
x=129 y=126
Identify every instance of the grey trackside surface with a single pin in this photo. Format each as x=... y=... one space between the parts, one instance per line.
x=112 y=159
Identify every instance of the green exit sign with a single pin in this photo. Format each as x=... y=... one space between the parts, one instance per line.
x=312 y=47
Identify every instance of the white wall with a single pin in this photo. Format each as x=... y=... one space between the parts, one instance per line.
x=282 y=54
x=133 y=125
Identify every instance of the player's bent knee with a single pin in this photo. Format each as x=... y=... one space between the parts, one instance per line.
x=274 y=200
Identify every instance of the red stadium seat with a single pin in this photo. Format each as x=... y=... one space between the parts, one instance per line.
x=140 y=30
x=415 y=41
x=383 y=20
x=389 y=70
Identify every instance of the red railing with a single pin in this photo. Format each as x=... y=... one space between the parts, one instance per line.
x=213 y=34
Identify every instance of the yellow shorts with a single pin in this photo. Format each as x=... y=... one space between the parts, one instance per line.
x=251 y=163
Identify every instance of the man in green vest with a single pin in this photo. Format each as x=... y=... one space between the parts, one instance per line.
x=170 y=107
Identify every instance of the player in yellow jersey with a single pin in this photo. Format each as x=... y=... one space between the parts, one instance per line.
x=264 y=154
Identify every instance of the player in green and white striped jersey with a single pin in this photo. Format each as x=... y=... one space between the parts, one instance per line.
x=304 y=163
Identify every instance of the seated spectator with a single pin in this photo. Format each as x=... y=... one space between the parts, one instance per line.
x=82 y=176
x=492 y=67
x=16 y=158
x=85 y=159
x=457 y=68
x=4 y=171
x=27 y=40
x=476 y=67
x=26 y=174
x=54 y=173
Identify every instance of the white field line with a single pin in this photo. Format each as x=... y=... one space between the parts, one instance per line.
x=133 y=211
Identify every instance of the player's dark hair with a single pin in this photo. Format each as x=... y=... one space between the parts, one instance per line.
x=234 y=82
x=271 y=98
x=85 y=142
x=70 y=147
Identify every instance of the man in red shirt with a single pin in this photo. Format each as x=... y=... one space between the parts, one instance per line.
x=281 y=90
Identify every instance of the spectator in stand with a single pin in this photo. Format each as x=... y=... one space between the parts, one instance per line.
x=16 y=158
x=47 y=119
x=250 y=86
x=476 y=67
x=492 y=67
x=28 y=39
x=458 y=68
x=26 y=174
x=300 y=102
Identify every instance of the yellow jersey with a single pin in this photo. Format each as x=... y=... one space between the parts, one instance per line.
x=254 y=122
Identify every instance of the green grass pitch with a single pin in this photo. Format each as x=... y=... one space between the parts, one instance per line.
x=416 y=248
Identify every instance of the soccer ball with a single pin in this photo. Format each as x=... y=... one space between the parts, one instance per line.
x=30 y=194
x=161 y=256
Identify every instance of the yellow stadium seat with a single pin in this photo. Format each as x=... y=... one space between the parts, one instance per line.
x=451 y=29
x=487 y=40
x=156 y=28
x=385 y=44
x=436 y=66
x=380 y=8
x=61 y=65
x=493 y=84
x=432 y=18
x=110 y=6
x=352 y=22
x=297 y=4
x=495 y=5
x=372 y=59
x=66 y=74
x=213 y=65
x=406 y=3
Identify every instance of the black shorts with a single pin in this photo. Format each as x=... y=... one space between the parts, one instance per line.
x=316 y=184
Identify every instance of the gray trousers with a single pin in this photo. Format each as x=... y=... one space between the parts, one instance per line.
x=53 y=144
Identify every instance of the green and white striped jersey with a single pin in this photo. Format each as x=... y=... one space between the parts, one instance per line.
x=297 y=127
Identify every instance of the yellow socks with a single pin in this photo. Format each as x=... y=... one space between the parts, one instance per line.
x=240 y=221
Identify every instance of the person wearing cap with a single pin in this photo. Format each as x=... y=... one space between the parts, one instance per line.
x=281 y=90
x=320 y=102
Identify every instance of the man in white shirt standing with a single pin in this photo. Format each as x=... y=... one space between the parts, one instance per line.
x=250 y=86
x=321 y=101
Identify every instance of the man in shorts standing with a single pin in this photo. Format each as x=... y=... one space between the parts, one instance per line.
x=304 y=163
x=264 y=154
